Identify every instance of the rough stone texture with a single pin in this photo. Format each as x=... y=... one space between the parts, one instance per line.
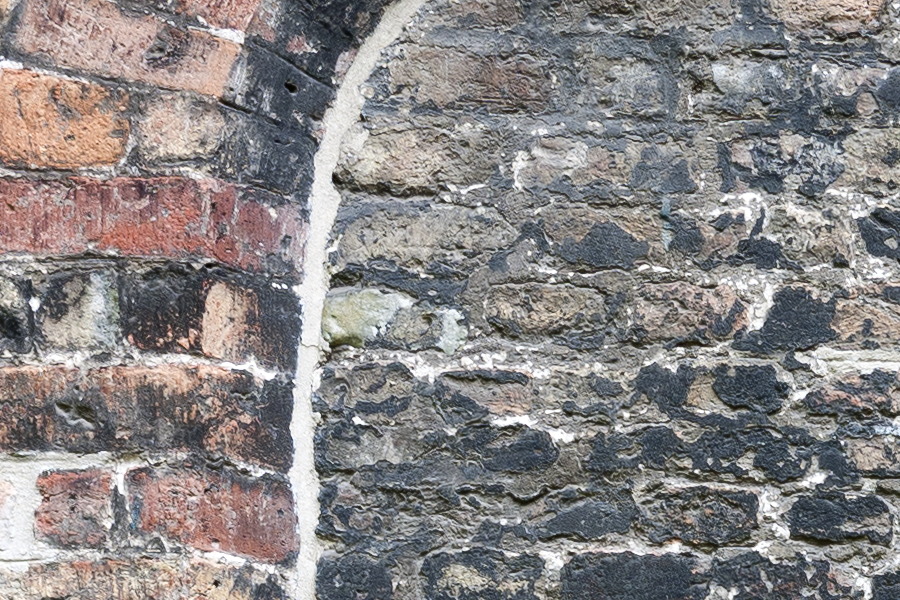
x=839 y=16
x=669 y=233
x=156 y=160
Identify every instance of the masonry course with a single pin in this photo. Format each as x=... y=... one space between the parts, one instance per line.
x=609 y=304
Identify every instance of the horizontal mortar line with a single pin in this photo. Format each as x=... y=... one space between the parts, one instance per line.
x=44 y=554
x=86 y=362
x=127 y=459
x=716 y=354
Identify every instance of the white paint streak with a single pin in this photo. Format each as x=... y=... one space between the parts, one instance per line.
x=324 y=201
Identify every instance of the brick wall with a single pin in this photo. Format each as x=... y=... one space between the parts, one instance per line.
x=155 y=167
x=611 y=313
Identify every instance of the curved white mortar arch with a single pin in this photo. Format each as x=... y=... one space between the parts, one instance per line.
x=324 y=200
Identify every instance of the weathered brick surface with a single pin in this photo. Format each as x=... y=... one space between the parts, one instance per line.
x=210 y=312
x=99 y=37
x=216 y=510
x=179 y=127
x=168 y=216
x=60 y=123
x=318 y=37
x=171 y=578
x=157 y=158
x=614 y=300
x=224 y=14
x=205 y=410
x=76 y=510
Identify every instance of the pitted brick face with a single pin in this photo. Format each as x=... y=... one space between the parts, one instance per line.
x=76 y=509
x=100 y=38
x=212 y=510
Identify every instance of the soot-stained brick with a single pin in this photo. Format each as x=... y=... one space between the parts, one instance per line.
x=481 y=574
x=881 y=232
x=835 y=517
x=605 y=246
x=751 y=576
x=353 y=577
x=16 y=317
x=627 y=576
x=592 y=519
x=753 y=387
x=275 y=89
x=271 y=156
x=796 y=321
x=217 y=412
x=210 y=312
x=702 y=515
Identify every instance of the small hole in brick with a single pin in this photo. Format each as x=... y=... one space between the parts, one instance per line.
x=291 y=87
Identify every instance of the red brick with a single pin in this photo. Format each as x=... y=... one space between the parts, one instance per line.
x=75 y=510
x=141 y=578
x=53 y=122
x=96 y=36
x=216 y=510
x=141 y=409
x=167 y=216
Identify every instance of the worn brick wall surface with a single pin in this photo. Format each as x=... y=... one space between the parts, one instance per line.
x=614 y=309
x=155 y=166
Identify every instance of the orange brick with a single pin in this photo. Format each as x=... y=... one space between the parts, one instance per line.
x=53 y=122
x=98 y=37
